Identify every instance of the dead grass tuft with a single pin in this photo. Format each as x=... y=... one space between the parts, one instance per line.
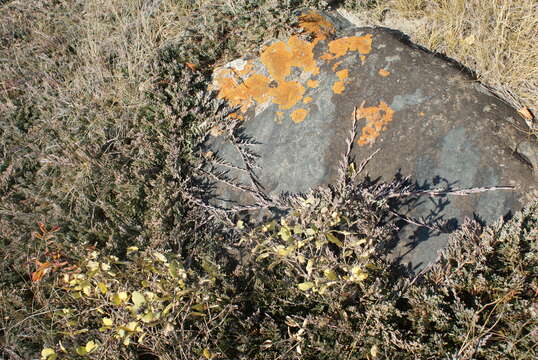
x=494 y=38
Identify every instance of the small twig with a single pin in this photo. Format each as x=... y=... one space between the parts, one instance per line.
x=457 y=192
x=415 y=222
x=366 y=161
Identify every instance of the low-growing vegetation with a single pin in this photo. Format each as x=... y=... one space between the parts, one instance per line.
x=109 y=250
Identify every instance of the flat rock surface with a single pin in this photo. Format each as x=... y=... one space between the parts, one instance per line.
x=427 y=117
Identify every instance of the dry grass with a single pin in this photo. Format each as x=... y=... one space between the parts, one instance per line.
x=494 y=38
x=84 y=56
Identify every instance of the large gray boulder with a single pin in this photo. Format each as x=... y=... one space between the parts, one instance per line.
x=425 y=114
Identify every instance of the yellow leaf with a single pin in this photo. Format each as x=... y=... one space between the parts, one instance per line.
x=81 y=350
x=131 y=249
x=360 y=242
x=119 y=298
x=331 y=238
x=199 y=307
x=240 y=224
x=285 y=233
x=107 y=322
x=159 y=257
x=92 y=265
x=196 y=313
x=282 y=251
x=207 y=354
x=138 y=299
x=127 y=340
x=102 y=287
x=309 y=266
x=149 y=317
x=150 y=296
x=263 y=256
x=86 y=288
x=305 y=286
x=357 y=274
x=167 y=309
x=374 y=351
x=362 y=276
x=48 y=354
x=330 y=274
x=141 y=338
x=132 y=326
x=90 y=346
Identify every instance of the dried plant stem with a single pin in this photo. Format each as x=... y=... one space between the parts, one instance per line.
x=456 y=192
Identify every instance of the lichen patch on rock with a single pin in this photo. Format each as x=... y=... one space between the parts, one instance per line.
x=286 y=70
x=377 y=118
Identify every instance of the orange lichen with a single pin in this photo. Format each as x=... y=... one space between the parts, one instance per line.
x=237 y=116
x=384 y=72
x=312 y=83
x=255 y=87
x=335 y=65
x=303 y=55
x=377 y=117
x=340 y=47
x=279 y=57
x=421 y=114
x=317 y=25
x=287 y=94
x=342 y=74
x=299 y=115
x=339 y=87
x=241 y=86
